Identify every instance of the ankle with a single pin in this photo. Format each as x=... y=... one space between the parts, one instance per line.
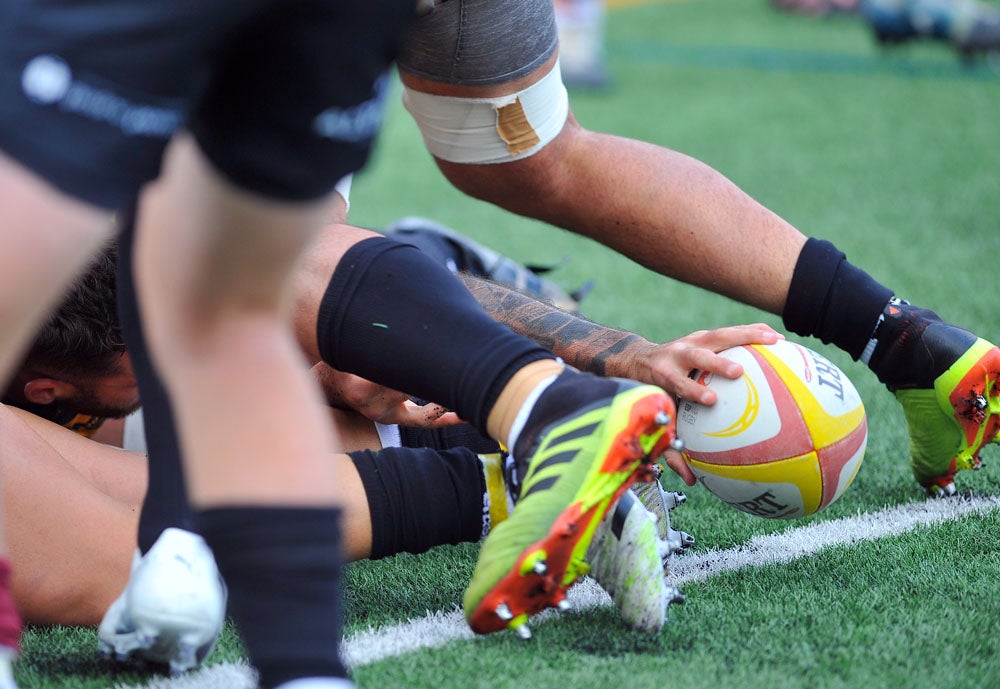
x=911 y=346
x=518 y=396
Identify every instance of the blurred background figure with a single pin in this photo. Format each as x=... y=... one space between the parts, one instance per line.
x=970 y=26
x=816 y=7
x=581 y=42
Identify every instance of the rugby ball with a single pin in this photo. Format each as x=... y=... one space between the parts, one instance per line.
x=782 y=441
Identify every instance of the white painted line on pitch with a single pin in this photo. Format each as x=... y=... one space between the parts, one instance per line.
x=807 y=540
x=221 y=676
x=440 y=628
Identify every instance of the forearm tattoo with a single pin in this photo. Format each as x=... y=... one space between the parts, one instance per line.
x=581 y=343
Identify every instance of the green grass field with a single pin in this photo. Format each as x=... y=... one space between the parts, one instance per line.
x=891 y=155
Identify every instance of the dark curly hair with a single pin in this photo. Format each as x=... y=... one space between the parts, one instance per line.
x=83 y=336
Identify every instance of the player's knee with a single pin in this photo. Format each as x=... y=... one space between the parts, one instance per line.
x=486 y=131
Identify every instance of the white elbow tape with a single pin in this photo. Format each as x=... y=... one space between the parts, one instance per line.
x=491 y=130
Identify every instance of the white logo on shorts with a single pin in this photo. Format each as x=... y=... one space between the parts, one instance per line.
x=355 y=124
x=46 y=79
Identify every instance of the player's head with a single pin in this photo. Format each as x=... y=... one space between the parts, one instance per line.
x=78 y=358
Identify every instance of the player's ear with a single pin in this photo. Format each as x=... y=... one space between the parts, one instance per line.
x=45 y=390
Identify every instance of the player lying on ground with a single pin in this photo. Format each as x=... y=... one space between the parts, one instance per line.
x=502 y=131
x=78 y=365
x=73 y=507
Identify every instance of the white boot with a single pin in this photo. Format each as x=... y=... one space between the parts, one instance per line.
x=173 y=608
x=630 y=556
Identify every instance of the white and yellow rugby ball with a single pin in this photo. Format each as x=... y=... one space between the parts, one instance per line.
x=782 y=441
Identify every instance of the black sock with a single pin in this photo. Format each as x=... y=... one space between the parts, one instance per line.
x=833 y=300
x=394 y=316
x=421 y=498
x=166 y=501
x=282 y=566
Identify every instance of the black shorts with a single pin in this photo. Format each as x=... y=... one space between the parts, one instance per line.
x=284 y=96
x=480 y=42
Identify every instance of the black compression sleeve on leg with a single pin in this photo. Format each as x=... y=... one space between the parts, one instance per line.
x=166 y=501
x=392 y=315
x=447 y=438
x=833 y=300
x=421 y=498
x=282 y=566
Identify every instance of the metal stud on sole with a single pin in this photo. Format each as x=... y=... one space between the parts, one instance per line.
x=504 y=613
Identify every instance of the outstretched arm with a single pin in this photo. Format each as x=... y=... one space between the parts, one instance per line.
x=72 y=511
x=606 y=351
x=666 y=210
x=71 y=526
x=581 y=343
x=663 y=209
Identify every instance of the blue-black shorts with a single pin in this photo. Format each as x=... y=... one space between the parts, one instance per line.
x=283 y=96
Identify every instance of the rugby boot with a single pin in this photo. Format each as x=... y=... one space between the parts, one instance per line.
x=585 y=441
x=948 y=381
x=660 y=503
x=632 y=546
x=630 y=560
x=173 y=608
x=972 y=27
x=630 y=554
x=318 y=683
